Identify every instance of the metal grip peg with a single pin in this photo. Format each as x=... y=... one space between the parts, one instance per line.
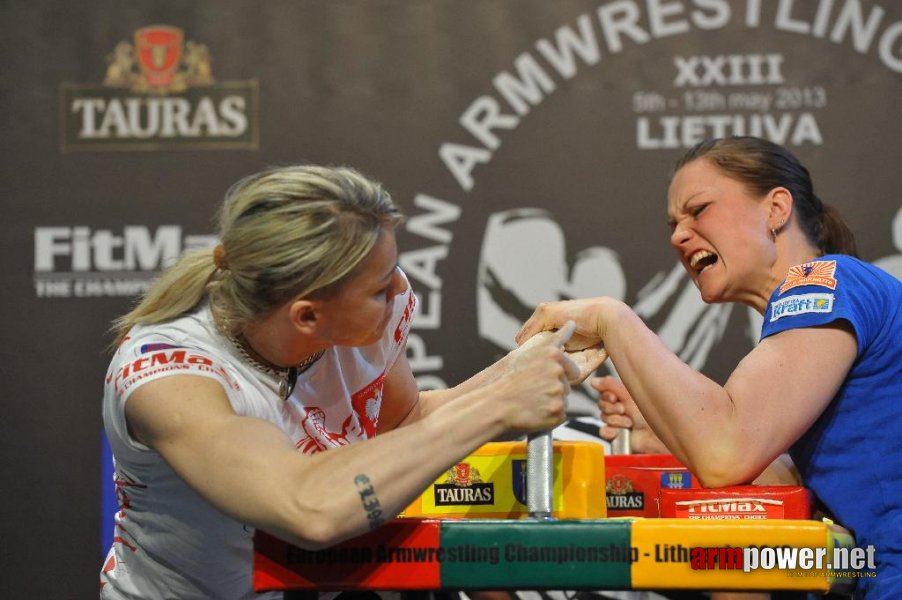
x=621 y=443
x=539 y=475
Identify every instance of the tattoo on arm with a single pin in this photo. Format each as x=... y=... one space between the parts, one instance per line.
x=370 y=501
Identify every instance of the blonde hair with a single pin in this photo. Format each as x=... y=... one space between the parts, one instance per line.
x=288 y=232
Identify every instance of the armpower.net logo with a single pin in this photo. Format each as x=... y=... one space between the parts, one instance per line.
x=839 y=561
x=159 y=93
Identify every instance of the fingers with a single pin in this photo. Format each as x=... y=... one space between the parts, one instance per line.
x=558 y=337
x=550 y=408
x=618 y=421
x=571 y=370
x=546 y=317
x=539 y=380
x=563 y=335
x=598 y=383
x=610 y=405
x=609 y=433
x=586 y=313
x=610 y=384
x=574 y=364
x=529 y=329
x=611 y=396
x=536 y=339
x=588 y=361
x=540 y=320
x=581 y=363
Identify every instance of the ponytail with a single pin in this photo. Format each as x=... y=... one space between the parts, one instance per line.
x=178 y=290
x=835 y=235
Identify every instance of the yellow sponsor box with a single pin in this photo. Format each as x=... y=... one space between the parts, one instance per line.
x=491 y=483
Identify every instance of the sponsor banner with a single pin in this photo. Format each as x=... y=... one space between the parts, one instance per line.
x=567 y=104
x=216 y=118
x=528 y=142
x=159 y=94
x=79 y=262
x=615 y=554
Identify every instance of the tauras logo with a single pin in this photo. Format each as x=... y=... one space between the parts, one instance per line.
x=628 y=501
x=621 y=495
x=159 y=93
x=475 y=494
x=464 y=487
x=79 y=261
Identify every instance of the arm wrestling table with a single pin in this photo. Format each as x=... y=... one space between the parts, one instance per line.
x=542 y=553
x=603 y=554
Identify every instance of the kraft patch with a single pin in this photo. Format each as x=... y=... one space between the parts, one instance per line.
x=800 y=305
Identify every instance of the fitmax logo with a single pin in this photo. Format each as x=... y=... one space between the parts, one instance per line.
x=79 y=261
x=83 y=250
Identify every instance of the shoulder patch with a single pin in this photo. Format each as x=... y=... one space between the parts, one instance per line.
x=801 y=304
x=817 y=272
x=145 y=348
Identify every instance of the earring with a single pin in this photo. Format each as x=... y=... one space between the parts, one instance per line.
x=774 y=230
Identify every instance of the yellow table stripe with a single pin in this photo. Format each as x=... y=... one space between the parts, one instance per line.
x=664 y=548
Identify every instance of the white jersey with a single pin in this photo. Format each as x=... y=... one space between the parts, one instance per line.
x=171 y=543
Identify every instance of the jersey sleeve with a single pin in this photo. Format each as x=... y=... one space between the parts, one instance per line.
x=822 y=292
x=140 y=360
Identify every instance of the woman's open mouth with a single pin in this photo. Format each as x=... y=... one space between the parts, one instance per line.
x=702 y=260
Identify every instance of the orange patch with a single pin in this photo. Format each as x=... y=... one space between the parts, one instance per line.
x=818 y=272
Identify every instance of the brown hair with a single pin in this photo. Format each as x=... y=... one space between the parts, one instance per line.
x=762 y=166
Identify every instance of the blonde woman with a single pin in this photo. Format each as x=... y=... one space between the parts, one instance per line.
x=243 y=364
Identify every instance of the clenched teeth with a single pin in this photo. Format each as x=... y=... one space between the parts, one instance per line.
x=702 y=255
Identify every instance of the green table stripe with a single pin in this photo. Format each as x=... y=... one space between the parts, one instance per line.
x=536 y=554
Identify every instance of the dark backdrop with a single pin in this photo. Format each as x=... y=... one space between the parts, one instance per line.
x=529 y=142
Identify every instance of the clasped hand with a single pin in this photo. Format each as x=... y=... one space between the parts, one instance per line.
x=585 y=313
x=537 y=378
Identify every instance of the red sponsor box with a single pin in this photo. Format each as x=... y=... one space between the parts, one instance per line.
x=632 y=482
x=742 y=502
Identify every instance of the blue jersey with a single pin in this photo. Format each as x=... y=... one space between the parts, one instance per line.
x=851 y=458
